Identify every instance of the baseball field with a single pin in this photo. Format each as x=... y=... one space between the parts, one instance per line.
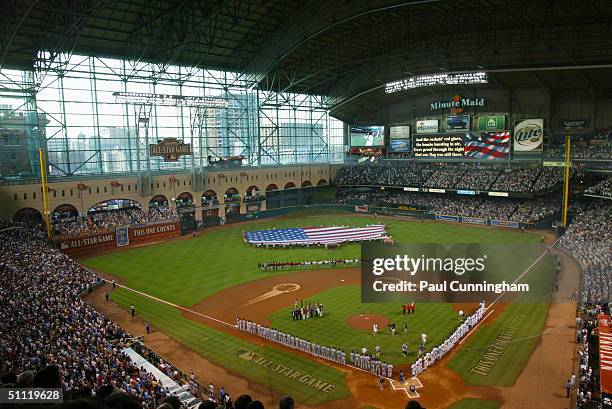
x=192 y=290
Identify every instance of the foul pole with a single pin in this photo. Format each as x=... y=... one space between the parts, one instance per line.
x=43 y=185
x=567 y=177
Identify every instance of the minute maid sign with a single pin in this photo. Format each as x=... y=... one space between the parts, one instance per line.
x=457 y=104
x=303 y=378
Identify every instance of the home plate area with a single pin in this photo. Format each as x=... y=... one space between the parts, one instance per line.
x=407 y=386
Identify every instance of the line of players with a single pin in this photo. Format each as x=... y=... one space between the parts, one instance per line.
x=371 y=363
x=438 y=352
x=291 y=341
x=364 y=360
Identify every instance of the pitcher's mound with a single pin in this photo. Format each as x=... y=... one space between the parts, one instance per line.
x=366 y=321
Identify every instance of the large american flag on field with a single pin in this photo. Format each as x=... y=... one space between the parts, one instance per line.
x=315 y=235
x=489 y=145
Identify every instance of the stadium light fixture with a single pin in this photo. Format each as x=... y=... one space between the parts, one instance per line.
x=170 y=100
x=428 y=80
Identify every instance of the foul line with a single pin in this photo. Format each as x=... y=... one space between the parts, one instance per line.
x=474 y=329
x=234 y=327
x=518 y=278
x=174 y=305
x=502 y=294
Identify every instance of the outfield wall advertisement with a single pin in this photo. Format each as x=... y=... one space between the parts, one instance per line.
x=504 y=223
x=529 y=135
x=427 y=126
x=119 y=237
x=605 y=352
x=491 y=123
x=399 y=139
x=473 y=220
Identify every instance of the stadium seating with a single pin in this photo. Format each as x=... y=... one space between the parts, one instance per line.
x=521 y=210
x=111 y=219
x=603 y=188
x=453 y=176
x=588 y=240
x=67 y=343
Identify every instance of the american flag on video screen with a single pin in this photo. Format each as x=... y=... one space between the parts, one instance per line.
x=315 y=235
x=489 y=145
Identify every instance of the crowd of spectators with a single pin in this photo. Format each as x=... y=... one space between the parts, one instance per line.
x=603 y=188
x=582 y=150
x=49 y=337
x=405 y=174
x=485 y=207
x=48 y=334
x=111 y=219
x=465 y=176
x=516 y=180
x=585 y=383
x=588 y=239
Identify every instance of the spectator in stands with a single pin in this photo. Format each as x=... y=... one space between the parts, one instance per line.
x=66 y=343
x=112 y=219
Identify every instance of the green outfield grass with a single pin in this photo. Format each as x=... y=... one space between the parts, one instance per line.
x=510 y=339
x=187 y=271
x=437 y=320
x=231 y=352
x=470 y=403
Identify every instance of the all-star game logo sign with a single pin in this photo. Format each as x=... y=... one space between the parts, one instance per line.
x=171 y=149
x=457 y=104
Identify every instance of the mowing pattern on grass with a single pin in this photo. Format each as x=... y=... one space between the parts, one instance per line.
x=275 y=369
x=437 y=320
x=186 y=271
x=497 y=352
x=471 y=403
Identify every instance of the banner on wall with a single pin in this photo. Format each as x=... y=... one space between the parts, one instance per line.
x=399 y=145
x=529 y=135
x=458 y=123
x=491 y=123
x=120 y=237
x=427 y=126
x=399 y=132
x=123 y=237
x=447 y=218
x=573 y=123
x=473 y=220
x=457 y=104
x=505 y=223
x=605 y=354
x=254 y=207
x=87 y=243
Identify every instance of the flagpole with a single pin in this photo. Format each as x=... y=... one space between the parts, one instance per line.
x=43 y=185
x=567 y=177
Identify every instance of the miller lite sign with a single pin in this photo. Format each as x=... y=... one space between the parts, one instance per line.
x=171 y=149
x=529 y=135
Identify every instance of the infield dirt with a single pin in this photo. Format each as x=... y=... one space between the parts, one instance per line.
x=538 y=386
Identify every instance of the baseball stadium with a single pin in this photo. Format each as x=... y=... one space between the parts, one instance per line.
x=254 y=204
